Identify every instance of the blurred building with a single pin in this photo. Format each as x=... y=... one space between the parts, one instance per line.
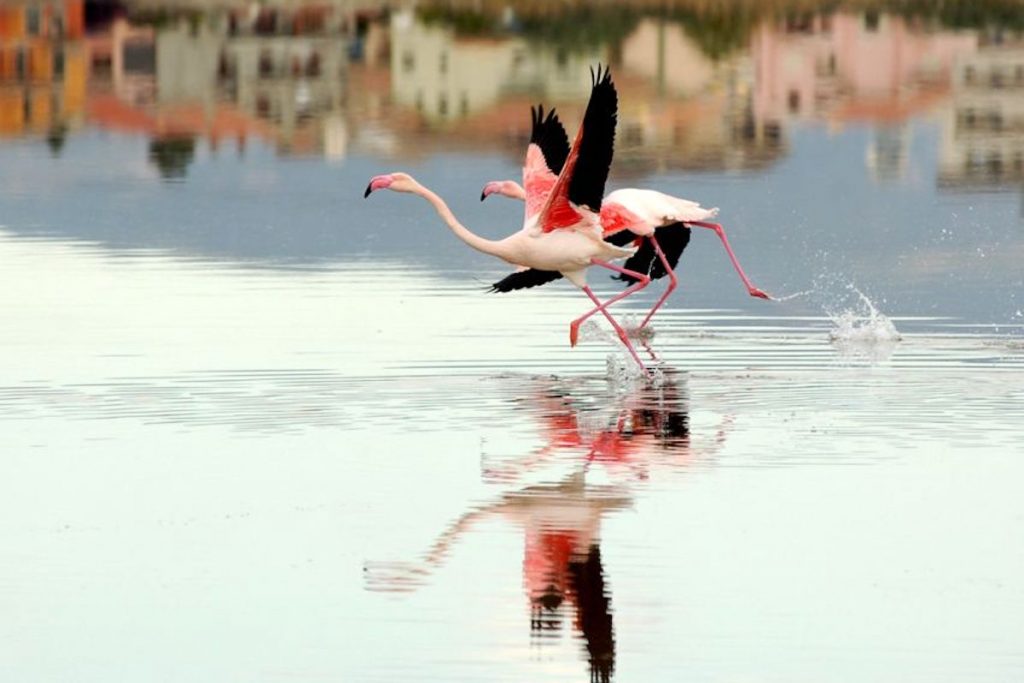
x=683 y=109
x=983 y=129
x=43 y=69
x=855 y=68
x=275 y=71
x=446 y=77
x=677 y=108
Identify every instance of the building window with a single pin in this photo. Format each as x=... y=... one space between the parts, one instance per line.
x=225 y=69
x=871 y=19
x=32 y=20
x=266 y=64
x=19 y=64
x=263 y=107
x=794 y=101
x=442 y=105
x=444 y=63
x=408 y=62
x=313 y=65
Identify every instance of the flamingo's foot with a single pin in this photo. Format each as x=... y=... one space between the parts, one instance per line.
x=754 y=291
x=574 y=332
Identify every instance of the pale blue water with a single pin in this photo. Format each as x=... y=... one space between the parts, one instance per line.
x=257 y=428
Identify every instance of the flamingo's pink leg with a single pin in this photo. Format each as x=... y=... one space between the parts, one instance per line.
x=618 y=329
x=673 y=281
x=642 y=281
x=720 y=231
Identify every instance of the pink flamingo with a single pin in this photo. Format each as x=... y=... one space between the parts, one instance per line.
x=562 y=231
x=626 y=216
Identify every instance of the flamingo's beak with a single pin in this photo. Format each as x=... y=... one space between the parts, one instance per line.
x=489 y=189
x=378 y=182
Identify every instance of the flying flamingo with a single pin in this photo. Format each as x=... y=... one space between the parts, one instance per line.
x=562 y=231
x=627 y=215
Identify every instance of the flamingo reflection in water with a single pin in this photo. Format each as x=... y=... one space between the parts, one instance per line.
x=561 y=520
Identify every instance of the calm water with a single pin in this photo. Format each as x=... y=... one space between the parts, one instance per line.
x=256 y=428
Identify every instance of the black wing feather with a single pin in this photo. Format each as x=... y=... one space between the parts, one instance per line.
x=524 y=279
x=672 y=238
x=586 y=187
x=549 y=134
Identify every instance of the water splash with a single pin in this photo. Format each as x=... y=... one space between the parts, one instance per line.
x=631 y=323
x=862 y=332
x=863 y=324
x=593 y=331
x=622 y=371
x=794 y=295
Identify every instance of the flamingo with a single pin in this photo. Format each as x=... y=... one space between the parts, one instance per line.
x=561 y=231
x=627 y=215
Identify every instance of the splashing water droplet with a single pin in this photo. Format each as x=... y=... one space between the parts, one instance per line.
x=631 y=324
x=863 y=325
x=794 y=295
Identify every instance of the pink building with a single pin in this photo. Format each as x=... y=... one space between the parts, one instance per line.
x=850 y=67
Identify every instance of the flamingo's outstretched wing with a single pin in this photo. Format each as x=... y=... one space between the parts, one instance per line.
x=545 y=156
x=580 y=185
x=524 y=279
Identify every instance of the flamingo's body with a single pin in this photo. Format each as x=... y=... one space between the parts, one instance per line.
x=562 y=229
x=641 y=212
x=626 y=216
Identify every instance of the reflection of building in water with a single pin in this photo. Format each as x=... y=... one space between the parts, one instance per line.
x=446 y=77
x=888 y=150
x=677 y=109
x=292 y=81
x=122 y=62
x=42 y=67
x=855 y=67
x=267 y=71
x=983 y=130
x=681 y=109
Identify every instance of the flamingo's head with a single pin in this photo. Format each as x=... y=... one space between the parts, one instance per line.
x=396 y=182
x=507 y=188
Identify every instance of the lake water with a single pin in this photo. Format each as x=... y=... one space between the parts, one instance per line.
x=256 y=428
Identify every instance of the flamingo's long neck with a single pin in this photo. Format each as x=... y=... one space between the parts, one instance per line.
x=481 y=244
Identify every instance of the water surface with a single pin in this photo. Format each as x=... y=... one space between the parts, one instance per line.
x=257 y=428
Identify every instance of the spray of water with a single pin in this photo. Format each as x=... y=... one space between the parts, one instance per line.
x=623 y=372
x=863 y=323
x=794 y=295
x=620 y=368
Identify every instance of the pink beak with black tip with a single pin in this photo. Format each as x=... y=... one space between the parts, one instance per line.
x=378 y=182
x=489 y=189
